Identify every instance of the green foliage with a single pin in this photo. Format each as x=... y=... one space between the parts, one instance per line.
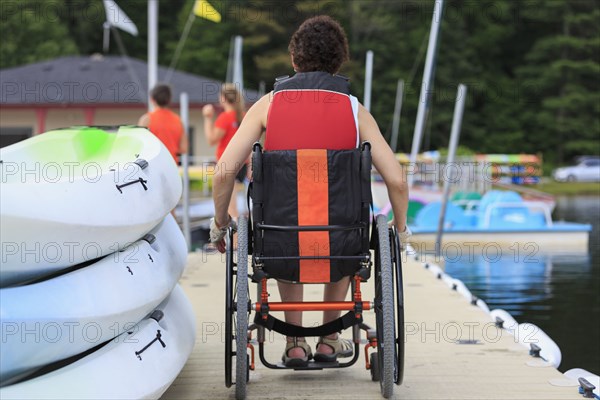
x=570 y=188
x=31 y=31
x=562 y=69
x=532 y=68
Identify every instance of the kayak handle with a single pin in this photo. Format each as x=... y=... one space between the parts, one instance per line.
x=157 y=338
x=139 y=180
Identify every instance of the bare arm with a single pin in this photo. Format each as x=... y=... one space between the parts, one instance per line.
x=237 y=152
x=385 y=162
x=183 y=142
x=144 y=120
x=213 y=134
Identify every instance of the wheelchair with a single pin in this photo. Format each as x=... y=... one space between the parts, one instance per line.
x=286 y=238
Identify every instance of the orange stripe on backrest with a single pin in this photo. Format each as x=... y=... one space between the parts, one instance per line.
x=313 y=209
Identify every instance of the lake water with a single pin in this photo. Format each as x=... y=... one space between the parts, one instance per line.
x=558 y=293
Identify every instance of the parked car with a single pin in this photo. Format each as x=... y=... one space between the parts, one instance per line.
x=588 y=170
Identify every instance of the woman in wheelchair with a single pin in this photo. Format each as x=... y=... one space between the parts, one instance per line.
x=306 y=119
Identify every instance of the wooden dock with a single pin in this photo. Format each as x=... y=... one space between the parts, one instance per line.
x=437 y=365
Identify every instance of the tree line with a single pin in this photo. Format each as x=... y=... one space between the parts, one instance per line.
x=532 y=67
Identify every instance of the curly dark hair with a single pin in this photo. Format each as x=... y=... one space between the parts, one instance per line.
x=319 y=44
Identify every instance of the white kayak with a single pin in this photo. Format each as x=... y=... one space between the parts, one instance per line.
x=139 y=364
x=71 y=313
x=73 y=195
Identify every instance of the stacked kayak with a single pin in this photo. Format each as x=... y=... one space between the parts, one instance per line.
x=139 y=364
x=74 y=195
x=91 y=257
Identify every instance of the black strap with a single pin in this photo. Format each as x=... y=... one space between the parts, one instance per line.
x=279 y=326
x=374 y=235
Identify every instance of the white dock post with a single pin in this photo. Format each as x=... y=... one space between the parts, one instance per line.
x=368 y=80
x=152 y=46
x=397 y=111
x=454 y=135
x=184 y=112
x=238 y=71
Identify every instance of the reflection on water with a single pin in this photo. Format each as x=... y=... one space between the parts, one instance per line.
x=559 y=293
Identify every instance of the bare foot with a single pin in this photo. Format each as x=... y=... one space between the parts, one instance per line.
x=296 y=352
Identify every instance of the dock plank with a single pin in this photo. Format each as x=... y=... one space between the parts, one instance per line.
x=436 y=367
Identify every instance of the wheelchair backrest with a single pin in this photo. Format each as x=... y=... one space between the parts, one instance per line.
x=310 y=212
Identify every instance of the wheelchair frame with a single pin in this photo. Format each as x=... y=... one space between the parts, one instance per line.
x=385 y=366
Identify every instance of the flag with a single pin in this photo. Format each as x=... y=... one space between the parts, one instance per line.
x=203 y=9
x=117 y=18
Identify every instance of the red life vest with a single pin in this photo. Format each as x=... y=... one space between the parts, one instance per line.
x=312 y=110
x=311 y=115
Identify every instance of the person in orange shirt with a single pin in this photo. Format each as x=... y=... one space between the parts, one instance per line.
x=222 y=130
x=164 y=123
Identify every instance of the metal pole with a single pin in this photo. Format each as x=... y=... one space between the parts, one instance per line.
x=152 y=46
x=368 y=80
x=185 y=118
x=229 y=76
x=238 y=74
x=454 y=135
x=106 y=37
x=426 y=85
x=397 y=110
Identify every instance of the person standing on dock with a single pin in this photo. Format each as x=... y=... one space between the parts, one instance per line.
x=318 y=49
x=221 y=131
x=164 y=123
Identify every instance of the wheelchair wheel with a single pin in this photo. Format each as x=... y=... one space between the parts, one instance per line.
x=241 y=337
x=236 y=313
x=384 y=309
x=229 y=308
x=397 y=261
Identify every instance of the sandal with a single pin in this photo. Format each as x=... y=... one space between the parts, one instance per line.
x=341 y=348
x=295 y=361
